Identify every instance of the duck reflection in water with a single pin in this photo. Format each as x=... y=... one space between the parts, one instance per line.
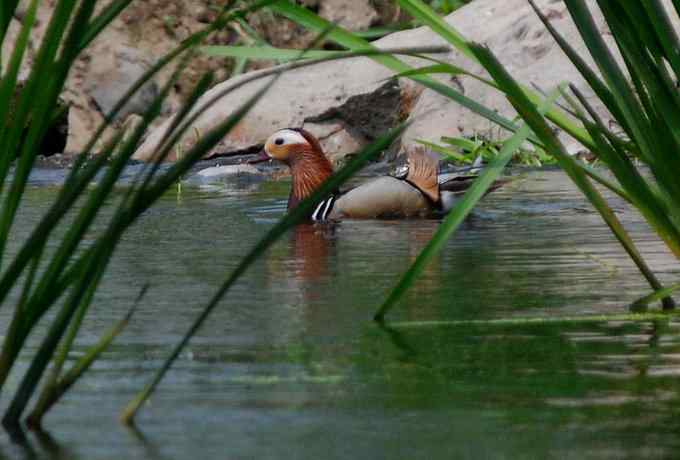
x=312 y=247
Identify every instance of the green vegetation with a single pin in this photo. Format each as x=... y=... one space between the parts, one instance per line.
x=465 y=150
x=646 y=107
x=37 y=280
x=67 y=277
x=447 y=6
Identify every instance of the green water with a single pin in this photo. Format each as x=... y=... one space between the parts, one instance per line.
x=291 y=366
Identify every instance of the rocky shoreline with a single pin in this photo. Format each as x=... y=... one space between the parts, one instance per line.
x=346 y=104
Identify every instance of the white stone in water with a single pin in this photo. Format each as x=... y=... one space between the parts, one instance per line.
x=215 y=172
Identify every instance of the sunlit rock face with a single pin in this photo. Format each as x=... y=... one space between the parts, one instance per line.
x=336 y=100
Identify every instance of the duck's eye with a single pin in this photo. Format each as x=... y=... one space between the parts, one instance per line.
x=278 y=141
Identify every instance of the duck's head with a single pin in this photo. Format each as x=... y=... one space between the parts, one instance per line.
x=289 y=146
x=301 y=151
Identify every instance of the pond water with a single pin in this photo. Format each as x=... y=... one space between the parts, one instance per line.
x=291 y=366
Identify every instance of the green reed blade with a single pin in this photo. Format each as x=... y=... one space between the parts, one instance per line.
x=294 y=216
x=37 y=99
x=84 y=273
x=662 y=92
x=81 y=296
x=91 y=270
x=622 y=94
x=101 y=21
x=584 y=69
x=348 y=40
x=538 y=124
x=538 y=320
x=44 y=292
x=7 y=8
x=643 y=302
x=642 y=195
x=107 y=243
x=663 y=28
x=56 y=386
x=448 y=152
x=79 y=178
x=261 y=52
x=429 y=17
x=419 y=10
x=600 y=179
x=8 y=83
x=444 y=68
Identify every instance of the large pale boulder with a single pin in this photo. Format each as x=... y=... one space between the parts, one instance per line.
x=327 y=99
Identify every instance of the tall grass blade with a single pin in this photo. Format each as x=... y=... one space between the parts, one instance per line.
x=7 y=8
x=538 y=320
x=641 y=193
x=352 y=42
x=67 y=30
x=538 y=124
x=421 y=11
x=37 y=99
x=80 y=176
x=8 y=83
x=58 y=385
x=261 y=52
x=643 y=303
x=81 y=294
x=584 y=69
x=103 y=19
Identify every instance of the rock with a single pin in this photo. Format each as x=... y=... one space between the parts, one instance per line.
x=349 y=14
x=227 y=170
x=368 y=115
x=319 y=98
x=149 y=29
x=296 y=96
x=112 y=76
x=520 y=41
x=54 y=140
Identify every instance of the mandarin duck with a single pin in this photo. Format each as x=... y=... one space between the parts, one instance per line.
x=416 y=190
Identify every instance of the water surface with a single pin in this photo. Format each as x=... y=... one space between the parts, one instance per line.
x=291 y=366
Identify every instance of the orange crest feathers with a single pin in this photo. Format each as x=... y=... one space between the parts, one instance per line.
x=422 y=172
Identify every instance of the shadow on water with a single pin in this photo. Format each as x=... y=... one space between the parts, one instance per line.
x=291 y=364
x=149 y=446
x=36 y=444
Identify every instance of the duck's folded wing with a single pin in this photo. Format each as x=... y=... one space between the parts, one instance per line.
x=456 y=183
x=384 y=197
x=459 y=183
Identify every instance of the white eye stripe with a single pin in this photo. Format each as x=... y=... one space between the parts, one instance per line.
x=287 y=136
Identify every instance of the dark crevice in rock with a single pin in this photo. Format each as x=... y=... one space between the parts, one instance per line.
x=251 y=150
x=369 y=115
x=55 y=137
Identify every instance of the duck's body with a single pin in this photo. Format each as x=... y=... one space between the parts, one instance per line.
x=418 y=192
x=383 y=197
